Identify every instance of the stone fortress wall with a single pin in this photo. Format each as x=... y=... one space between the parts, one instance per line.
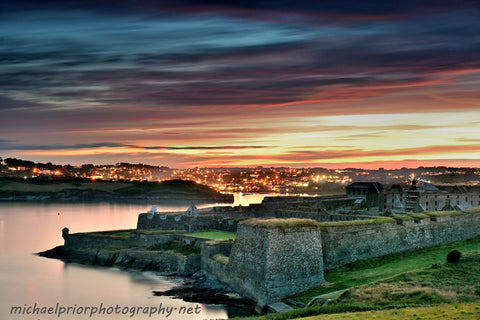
x=348 y=242
x=273 y=258
x=322 y=208
x=189 y=223
x=270 y=261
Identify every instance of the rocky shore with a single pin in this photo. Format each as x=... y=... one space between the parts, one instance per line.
x=162 y=263
x=195 y=287
x=198 y=289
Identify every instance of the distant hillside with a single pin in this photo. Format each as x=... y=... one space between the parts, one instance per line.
x=86 y=190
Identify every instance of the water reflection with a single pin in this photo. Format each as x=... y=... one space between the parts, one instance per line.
x=26 y=228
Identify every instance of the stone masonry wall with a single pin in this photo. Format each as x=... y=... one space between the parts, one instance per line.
x=213 y=269
x=270 y=262
x=186 y=222
x=79 y=240
x=343 y=244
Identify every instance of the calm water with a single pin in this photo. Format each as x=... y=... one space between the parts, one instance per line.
x=26 y=279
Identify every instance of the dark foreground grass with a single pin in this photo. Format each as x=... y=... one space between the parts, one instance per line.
x=459 y=312
x=371 y=270
x=447 y=282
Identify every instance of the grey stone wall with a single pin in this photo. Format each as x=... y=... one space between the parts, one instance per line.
x=208 y=249
x=79 y=240
x=148 y=240
x=116 y=252
x=343 y=244
x=268 y=263
x=187 y=223
x=85 y=241
x=213 y=269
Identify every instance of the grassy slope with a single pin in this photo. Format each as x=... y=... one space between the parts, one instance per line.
x=30 y=187
x=417 y=278
x=463 y=312
x=441 y=283
x=178 y=187
x=367 y=271
x=171 y=187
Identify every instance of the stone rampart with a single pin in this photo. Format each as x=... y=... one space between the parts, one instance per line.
x=148 y=240
x=271 y=259
x=275 y=258
x=347 y=242
x=79 y=240
x=213 y=269
x=168 y=221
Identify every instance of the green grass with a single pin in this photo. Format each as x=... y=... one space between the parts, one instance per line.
x=402 y=217
x=157 y=232
x=214 y=235
x=176 y=247
x=368 y=271
x=220 y=258
x=438 y=284
x=446 y=213
x=471 y=210
x=114 y=234
x=174 y=187
x=459 y=312
x=373 y=221
x=282 y=224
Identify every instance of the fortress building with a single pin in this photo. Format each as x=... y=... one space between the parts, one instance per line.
x=420 y=197
x=369 y=192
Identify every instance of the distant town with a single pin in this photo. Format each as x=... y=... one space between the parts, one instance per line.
x=280 y=180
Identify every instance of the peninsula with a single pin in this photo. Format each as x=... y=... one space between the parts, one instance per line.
x=82 y=189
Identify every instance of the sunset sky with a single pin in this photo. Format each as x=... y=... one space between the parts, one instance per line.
x=221 y=83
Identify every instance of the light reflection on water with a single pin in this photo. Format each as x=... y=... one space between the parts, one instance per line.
x=27 y=228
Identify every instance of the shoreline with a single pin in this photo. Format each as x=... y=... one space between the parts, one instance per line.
x=194 y=287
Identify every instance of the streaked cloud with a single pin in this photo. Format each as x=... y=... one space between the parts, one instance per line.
x=204 y=82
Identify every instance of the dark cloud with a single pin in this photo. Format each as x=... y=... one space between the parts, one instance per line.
x=214 y=70
x=291 y=65
x=8 y=145
x=351 y=9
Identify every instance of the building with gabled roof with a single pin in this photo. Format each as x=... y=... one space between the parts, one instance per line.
x=371 y=192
